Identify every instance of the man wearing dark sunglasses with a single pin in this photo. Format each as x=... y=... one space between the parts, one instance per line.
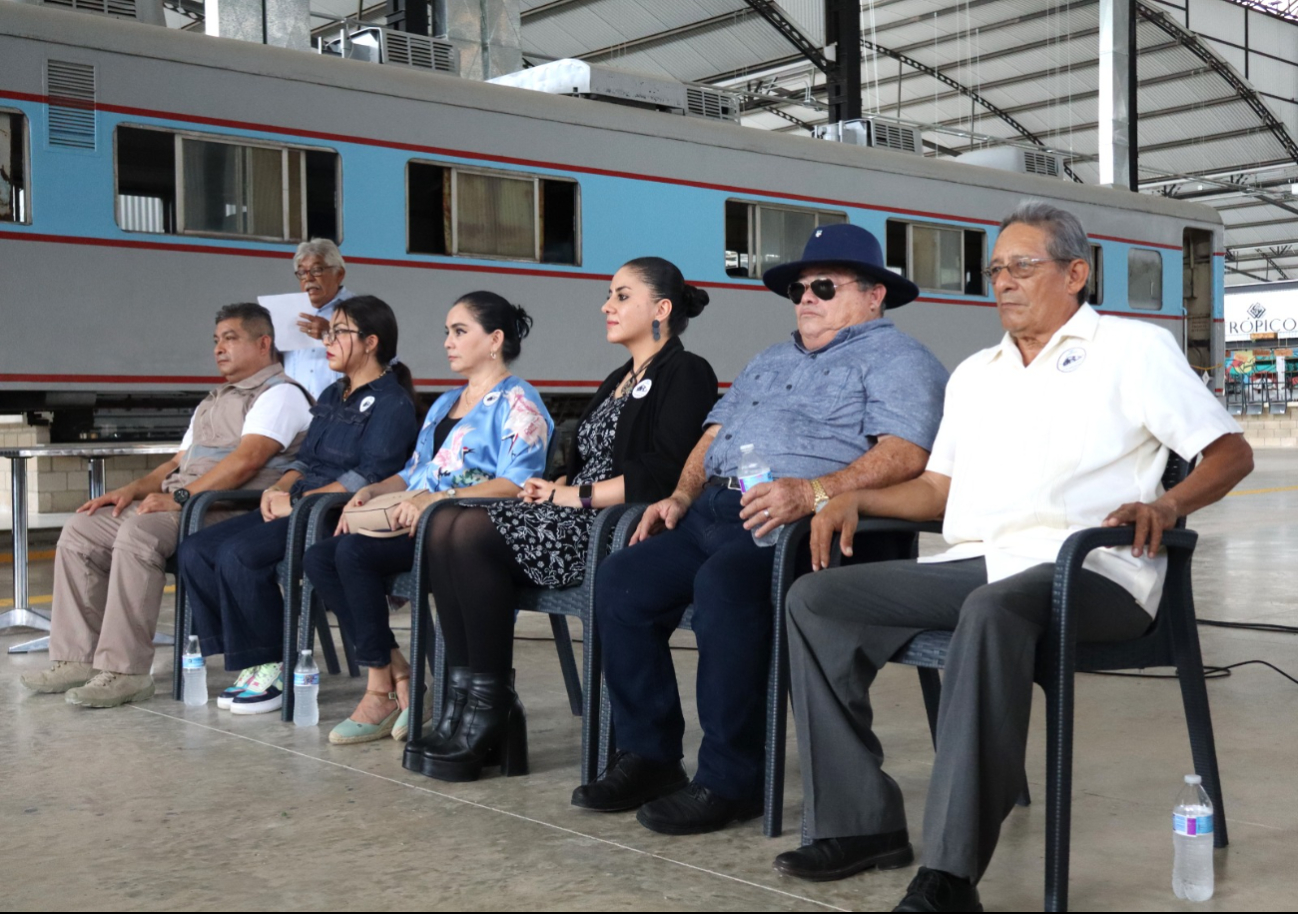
x=850 y=402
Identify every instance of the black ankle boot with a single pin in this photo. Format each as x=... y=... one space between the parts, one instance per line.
x=457 y=693
x=493 y=730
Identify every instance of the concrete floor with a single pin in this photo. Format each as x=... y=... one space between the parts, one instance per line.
x=158 y=806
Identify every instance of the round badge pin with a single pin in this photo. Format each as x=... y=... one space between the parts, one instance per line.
x=642 y=389
x=491 y=398
x=1071 y=360
x=366 y=404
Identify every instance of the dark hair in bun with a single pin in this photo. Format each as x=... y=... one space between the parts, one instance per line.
x=493 y=312
x=664 y=280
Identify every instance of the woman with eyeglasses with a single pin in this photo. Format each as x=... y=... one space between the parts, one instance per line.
x=363 y=427
x=482 y=440
x=631 y=444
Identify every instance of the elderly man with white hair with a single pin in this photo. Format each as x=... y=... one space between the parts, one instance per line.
x=319 y=267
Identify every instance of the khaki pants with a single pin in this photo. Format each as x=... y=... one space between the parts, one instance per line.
x=109 y=574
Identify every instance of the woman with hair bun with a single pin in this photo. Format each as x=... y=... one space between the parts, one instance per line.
x=631 y=444
x=361 y=429
x=485 y=439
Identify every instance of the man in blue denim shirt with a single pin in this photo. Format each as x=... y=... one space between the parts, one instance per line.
x=850 y=403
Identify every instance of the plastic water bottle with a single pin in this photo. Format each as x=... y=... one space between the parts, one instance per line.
x=753 y=471
x=1192 y=842
x=195 y=674
x=306 y=691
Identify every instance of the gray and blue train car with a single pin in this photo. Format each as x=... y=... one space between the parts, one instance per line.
x=148 y=176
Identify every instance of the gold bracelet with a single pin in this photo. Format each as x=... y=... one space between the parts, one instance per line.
x=819 y=495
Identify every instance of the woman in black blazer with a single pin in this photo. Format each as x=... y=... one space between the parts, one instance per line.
x=631 y=444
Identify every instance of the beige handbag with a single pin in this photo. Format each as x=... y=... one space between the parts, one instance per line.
x=375 y=517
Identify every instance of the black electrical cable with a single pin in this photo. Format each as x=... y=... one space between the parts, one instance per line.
x=1253 y=626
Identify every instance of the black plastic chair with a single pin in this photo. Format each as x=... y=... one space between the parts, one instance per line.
x=1172 y=640
x=557 y=603
x=290 y=577
x=791 y=543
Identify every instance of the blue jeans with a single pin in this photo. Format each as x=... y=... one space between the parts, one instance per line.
x=231 y=580
x=351 y=574
x=641 y=594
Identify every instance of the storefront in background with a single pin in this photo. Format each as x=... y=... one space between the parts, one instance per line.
x=1261 y=335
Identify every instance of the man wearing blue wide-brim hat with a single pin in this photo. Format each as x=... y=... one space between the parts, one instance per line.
x=849 y=403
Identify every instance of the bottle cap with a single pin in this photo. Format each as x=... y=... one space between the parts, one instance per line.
x=745 y=448
x=1193 y=779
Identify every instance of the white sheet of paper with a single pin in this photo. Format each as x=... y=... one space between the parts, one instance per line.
x=284 y=311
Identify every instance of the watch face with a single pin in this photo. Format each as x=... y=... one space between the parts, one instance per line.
x=181 y=496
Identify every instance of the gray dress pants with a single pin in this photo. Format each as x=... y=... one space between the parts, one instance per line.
x=845 y=623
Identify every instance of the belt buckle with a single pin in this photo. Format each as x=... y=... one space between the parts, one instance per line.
x=733 y=483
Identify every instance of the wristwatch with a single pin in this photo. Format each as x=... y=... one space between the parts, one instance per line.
x=586 y=492
x=450 y=493
x=181 y=496
x=819 y=494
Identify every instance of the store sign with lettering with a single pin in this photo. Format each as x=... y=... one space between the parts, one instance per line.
x=1249 y=314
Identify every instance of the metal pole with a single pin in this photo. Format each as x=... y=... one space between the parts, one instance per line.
x=1116 y=87
x=1133 y=86
x=843 y=30
x=96 y=469
x=18 y=475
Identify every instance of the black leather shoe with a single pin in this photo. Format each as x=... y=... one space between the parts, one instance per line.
x=827 y=859
x=457 y=693
x=695 y=810
x=629 y=782
x=934 y=890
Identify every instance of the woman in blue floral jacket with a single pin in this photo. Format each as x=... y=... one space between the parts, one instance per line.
x=483 y=440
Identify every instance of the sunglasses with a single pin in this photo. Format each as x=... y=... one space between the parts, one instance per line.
x=823 y=289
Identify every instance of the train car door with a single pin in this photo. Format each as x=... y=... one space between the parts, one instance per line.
x=1196 y=287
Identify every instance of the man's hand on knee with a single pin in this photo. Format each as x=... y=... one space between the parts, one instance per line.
x=661 y=515
x=157 y=503
x=120 y=499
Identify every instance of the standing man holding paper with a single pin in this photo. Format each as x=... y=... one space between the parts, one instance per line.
x=319 y=267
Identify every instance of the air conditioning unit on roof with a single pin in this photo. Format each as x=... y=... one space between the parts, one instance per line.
x=876 y=132
x=147 y=11
x=583 y=80
x=1016 y=159
x=388 y=46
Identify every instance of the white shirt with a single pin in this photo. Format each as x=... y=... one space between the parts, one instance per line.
x=281 y=413
x=1038 y=452
x=310 y=367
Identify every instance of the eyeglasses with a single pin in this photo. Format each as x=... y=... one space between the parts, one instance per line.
x=823 y=289
x=314 y=272
x=1021 y=268
x=330 y=335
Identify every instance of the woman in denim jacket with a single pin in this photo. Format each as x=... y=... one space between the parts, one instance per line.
x=363 y=426
x=483 y=440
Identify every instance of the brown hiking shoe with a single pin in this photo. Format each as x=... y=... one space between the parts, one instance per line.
x=61 y=676
x=108 y=690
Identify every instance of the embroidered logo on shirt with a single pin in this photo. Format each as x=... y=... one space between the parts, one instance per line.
x=641 y=390
x=1072 y=359
x=491 y=398
x=367 y=403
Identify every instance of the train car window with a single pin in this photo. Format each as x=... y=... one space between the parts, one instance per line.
x=1145 y=279
x=171 y=183
x=146 y=180
x=759 y=236
x=14 y=203
x=501 y=215
x=1095 y=282
x=939 y=258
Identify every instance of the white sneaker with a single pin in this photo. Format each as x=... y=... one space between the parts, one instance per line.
x=229 y=694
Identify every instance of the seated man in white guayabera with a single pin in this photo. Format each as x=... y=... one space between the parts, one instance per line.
x=1066 y=424
x=110 y=565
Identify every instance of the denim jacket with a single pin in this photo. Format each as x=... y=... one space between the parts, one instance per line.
x=357 y=441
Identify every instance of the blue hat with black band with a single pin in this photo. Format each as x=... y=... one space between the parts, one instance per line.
x=847 y=246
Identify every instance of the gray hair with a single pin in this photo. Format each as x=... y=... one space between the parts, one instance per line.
x=1066 y=239
x=323 y=248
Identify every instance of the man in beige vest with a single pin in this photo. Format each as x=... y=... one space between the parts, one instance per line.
x=109 y=568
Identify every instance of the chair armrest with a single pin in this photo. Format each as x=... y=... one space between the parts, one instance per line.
x=626 y=525
x=195 y=510
x=318 y=512
x=896 y=525
x=1068 y=568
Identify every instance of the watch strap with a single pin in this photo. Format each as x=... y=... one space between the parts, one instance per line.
x=586 y=492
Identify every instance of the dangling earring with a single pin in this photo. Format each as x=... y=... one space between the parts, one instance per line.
x=657 y=328
x=493 y=353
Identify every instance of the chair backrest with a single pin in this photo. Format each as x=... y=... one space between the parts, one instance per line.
x=1174 y=474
